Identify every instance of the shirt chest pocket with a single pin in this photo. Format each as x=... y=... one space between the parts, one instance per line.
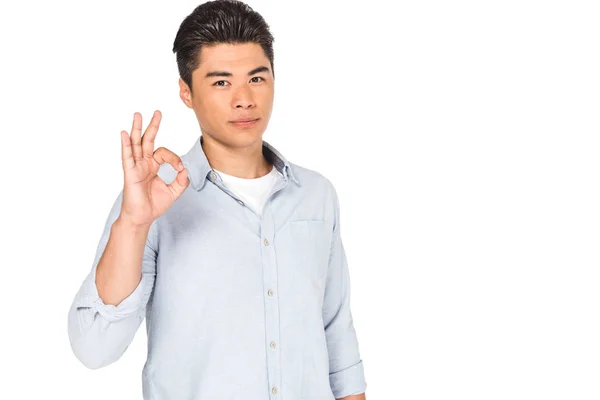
x=308 y=242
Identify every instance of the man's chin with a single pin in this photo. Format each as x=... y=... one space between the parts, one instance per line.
x=234 y=138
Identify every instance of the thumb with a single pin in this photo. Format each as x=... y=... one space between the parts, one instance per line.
x=180 y=183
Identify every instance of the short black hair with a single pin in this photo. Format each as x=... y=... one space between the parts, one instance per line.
x=216 y=22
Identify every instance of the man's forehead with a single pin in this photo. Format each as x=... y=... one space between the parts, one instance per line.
x=234 y=54
x=240 y=66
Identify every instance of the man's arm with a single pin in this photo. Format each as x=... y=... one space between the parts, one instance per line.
x=346 y=373
x=354 y=397
x=109 y=307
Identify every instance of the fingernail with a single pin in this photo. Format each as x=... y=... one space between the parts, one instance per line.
x=180 y=166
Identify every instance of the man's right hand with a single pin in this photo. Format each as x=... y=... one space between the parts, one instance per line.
x=145 y=195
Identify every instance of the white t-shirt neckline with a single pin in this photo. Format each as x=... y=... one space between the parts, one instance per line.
x=253 y=191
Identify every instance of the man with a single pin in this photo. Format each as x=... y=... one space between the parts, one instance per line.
x=231 y=253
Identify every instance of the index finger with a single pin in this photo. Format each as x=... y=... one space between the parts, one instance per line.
x=150 y=134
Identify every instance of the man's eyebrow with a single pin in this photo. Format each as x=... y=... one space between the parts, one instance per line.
x=225 y=73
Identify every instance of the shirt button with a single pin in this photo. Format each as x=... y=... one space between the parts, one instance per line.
x=274 y=390
x=266 y=242
x=273 y=345
x=213 y=175
x=270 y=293
x=241 y=202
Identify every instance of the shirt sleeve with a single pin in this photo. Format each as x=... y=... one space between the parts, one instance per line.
x=346 y=371
x=100 y=333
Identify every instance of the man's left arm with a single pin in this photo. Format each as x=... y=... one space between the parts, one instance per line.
x=354 y=397
x=346 y=371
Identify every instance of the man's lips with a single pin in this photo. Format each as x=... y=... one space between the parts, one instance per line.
x=244 y=120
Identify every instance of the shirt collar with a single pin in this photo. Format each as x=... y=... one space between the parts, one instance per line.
x=198 y=166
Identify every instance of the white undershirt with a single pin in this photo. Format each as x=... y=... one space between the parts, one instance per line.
x=253 y=192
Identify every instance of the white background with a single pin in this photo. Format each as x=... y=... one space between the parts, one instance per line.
x=462 y=137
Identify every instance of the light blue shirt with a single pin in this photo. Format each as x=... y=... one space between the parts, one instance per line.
x=237 y=306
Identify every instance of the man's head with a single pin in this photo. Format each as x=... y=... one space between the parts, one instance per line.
x=225 y=58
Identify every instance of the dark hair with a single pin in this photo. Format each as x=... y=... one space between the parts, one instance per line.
x=216 y=22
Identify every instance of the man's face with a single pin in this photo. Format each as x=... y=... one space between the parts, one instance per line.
x=219 y=100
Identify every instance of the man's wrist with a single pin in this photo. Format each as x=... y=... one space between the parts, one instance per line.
x=125 y=223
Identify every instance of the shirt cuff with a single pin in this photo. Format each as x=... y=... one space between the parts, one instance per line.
x=348 y=381
x=91 y=299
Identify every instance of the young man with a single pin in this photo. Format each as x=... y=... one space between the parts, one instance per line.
x=231 y=253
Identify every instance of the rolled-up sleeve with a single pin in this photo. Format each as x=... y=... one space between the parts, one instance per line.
x=346 y=371
x=100 y=333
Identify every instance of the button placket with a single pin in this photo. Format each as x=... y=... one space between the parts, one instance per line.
x=269 y=268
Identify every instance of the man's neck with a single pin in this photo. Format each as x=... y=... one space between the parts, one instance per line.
x=247 y=163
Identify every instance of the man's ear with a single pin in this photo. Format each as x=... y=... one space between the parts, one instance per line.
x=184 y=93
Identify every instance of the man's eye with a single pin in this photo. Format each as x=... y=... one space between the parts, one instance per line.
x=217 y=83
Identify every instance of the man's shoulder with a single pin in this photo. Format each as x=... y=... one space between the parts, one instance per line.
x=310 y=178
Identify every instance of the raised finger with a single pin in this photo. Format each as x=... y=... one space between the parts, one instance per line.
x=136 y=136
x=126 y=151
x=150 y=134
